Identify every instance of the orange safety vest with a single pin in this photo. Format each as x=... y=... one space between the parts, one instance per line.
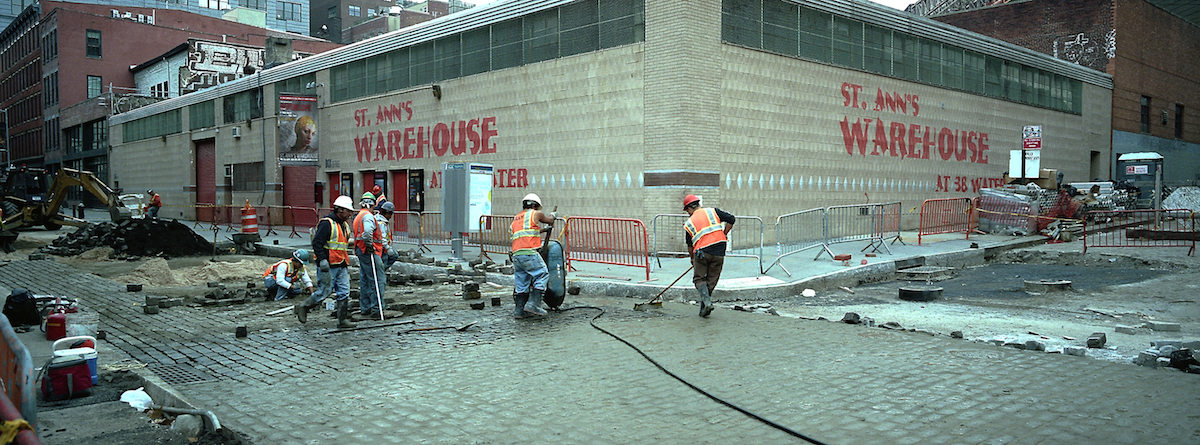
x=337 y=244
x=705 y=228
x=287 y=265
x=377 y=235
x=525 y=232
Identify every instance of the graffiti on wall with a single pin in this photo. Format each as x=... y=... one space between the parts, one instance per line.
x=875 y=136
x=1088 y=49
x=212 y=63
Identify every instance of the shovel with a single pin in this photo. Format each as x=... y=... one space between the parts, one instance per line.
x=655 y=301
x=435 y=328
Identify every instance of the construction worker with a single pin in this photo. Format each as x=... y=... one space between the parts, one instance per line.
x=707 y=234
x=368 y=245
x=383 y=219
x=331 y=245
x=379 y=198
x=281 y=278
x=154 y=204
x=529 y=270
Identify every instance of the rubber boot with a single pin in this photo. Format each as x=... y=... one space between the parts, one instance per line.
x=519 y=301
x=706 y=306
x=534 y=305
x=343 y=309
x=301 y=309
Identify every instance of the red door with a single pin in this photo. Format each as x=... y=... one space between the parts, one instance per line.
x=206 y=179
x=298 y=184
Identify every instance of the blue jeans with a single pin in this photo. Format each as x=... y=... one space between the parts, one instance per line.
x=336 y=280
x=154 y=212
x=391 y=258
x=370 y=273
x=529 y=271
x=278 y=291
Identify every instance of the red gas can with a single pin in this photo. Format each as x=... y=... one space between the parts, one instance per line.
x=56 y=326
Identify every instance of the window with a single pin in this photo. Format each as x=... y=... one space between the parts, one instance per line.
x=1178 y=121
x=541 y=36
x=355 y=11
x=247 y=177
x=815 y=34
x=260 y=5
x=161 y=90
x=98 y=139
x=50 y=89
x=93 y=44
x=242 y=106
x=201 y=115
x=877 y=54
x=50 y=45
x=741 y=22
x=289 y=12
x=215 y=4
x=1145 y=114
x=95 y=86
x=74 y=139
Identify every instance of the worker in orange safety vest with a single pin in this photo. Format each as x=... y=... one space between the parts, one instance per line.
x=706 y=232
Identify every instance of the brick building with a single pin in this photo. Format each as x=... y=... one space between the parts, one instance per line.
x=619 y=108
x=68 y=68
x=1151 y=49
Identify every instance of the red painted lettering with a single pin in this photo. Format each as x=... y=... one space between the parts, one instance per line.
x=380 y=146
x=362 y=147
x=982 y=157
x=522 y=177
x=488 y=133
x=441 y=139
x=916 y=108
x=853 y=135
x=896 y=138
x=394 y=150
x=947 y=143
x=961 y=153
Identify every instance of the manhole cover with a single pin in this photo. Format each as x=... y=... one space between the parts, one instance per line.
x=920 y=293
x=178 y=374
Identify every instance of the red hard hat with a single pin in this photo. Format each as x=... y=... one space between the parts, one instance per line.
x=689 y=199
x=376 y=190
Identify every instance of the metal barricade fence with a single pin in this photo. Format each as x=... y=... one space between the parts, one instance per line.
x=668 y=237
x=856 y=222
x=1140 y=228
x=797 y=232
x=946 y=215
x=997 y=212
x=410 y=231
x=616 y=241
x=17 y=375
x=746 y=240
x=494 y=234
x=888 y=223
x=302 y=217
x=432 y=233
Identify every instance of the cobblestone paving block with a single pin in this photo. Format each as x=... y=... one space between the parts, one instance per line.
x=558 y=380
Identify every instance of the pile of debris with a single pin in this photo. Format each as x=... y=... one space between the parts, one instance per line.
x=1183 y=198
x=133 y=238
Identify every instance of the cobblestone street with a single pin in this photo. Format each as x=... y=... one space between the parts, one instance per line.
x=559 y=380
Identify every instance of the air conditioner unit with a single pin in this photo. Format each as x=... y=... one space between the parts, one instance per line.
x=228 y=171
x=237 y=132
x=150 y=19
x=116 y=14
x=127 y=15
x=141 y=18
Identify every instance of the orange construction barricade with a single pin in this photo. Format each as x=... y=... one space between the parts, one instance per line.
x=249 y=219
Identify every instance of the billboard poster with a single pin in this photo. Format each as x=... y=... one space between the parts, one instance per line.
x=297 y=129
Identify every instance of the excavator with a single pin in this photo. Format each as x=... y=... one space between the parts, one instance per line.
x=31 y=199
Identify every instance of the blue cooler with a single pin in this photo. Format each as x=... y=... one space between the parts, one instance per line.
x=88 y=354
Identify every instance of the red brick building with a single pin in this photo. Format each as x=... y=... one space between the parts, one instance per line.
x=1151 y=48
x=64 y=62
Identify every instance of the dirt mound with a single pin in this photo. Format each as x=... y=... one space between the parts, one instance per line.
x=133 y=238
x=157 y=272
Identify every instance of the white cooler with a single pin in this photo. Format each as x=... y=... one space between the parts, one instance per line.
x=88 y=354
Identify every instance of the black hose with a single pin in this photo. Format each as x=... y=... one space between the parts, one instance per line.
x=754 y=416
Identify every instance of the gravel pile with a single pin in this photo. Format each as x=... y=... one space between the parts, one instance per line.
x=133 y=238
x=1183 y=198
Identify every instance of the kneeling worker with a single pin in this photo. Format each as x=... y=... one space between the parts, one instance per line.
x=281 y=278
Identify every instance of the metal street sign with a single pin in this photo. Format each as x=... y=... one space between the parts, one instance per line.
x=1032 y=137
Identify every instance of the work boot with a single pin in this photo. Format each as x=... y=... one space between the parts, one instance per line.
x=706 y=306
x=519 y=306
x=343 y=312
x=534 y=305
x=301 y=310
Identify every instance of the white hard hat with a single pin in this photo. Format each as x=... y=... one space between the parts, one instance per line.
x=344 y=202
x=532 y=197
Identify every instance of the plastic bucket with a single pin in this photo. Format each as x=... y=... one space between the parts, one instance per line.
x=88 y=354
